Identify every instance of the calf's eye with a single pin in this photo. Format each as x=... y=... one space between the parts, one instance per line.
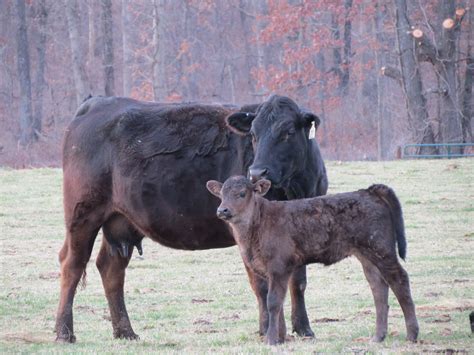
x=242 y=194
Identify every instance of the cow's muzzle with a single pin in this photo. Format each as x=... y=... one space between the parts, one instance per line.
x=256 y=174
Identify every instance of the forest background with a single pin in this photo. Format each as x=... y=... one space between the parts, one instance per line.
x=379 y=74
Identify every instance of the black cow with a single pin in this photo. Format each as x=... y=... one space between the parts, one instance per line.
x=139 y=169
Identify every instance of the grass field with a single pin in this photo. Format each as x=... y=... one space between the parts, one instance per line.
x=200 y=301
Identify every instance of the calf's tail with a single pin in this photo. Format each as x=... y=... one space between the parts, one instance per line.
x=387 y=195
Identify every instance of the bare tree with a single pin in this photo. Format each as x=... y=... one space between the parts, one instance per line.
x=467 y=102
x=80 y=76
x=40 y=82
x=438 y=49
x=158 y=56
x=108 y=43
x=23 y=60
x=410 y=78
x=126 y=48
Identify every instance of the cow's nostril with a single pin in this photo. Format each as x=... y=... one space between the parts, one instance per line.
x=256 y=174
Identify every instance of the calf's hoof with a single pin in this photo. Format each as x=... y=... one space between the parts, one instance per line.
x=273 y=341
x=66 y=338
x=378 y=338
x=126 y=334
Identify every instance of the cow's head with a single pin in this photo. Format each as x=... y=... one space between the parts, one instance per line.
x=238 y=196
x=280 y=137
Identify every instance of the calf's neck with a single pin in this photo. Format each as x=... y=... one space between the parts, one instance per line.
x=276 y=237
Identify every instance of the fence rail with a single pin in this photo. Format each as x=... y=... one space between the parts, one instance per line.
x=447 y=147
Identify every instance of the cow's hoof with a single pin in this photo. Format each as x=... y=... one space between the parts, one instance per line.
x=412 y=333
x=304 y=332
x=66 y=338
x=126 y=334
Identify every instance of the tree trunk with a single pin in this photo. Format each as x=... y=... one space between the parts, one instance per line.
x=450 y=119
x=259 y=8
x=126 y=47
x=347 y=47
x=193 y=89
x=40 y=81
x=341 y=62
x=467 y=102
x=158 y=60
x=379 y=35
x=23 y=58
x=421 y=129
x=80 y=77
x=108 y=43
x=246 y=25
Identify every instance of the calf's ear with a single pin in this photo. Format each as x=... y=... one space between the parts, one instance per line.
x=240 y=122
x=214 y=187
x=261 y=187
x=309 y=117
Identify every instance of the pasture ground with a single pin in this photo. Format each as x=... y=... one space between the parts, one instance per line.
x=199 y=302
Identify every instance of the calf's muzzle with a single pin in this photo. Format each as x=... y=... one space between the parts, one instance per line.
x=223 y=213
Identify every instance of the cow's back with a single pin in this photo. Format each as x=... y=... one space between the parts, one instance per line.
x=149 y=162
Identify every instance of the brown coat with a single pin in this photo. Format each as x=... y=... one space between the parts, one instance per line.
x=276 y=237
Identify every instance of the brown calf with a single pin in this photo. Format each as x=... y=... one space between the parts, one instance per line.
x=276 y=237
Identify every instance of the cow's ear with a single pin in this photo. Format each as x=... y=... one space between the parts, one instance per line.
x=240 y=122
x=309 y=117
x=261 y=187
x=214 y=187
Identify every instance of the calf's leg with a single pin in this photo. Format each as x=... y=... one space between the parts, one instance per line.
x=397 y=278
x=73 y=257
x=278 y=285
x=380 y=293
x=260 y=288
x=299 y=317
x=112 y=271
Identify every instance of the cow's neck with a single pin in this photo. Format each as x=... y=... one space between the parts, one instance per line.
x=298 y=185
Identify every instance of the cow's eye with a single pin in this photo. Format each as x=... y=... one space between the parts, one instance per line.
x=242 y=194
x=289 y=133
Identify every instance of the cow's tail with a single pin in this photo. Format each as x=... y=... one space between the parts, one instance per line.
x=387 y=195
x=84 y=279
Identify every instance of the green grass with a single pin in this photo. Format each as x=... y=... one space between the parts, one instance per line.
x=200 y=302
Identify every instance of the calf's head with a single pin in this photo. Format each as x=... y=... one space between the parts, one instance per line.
x=280 y=138
x=238 y=196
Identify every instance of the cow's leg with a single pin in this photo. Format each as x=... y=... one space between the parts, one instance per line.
x=260 y=288
x=112 y=265
x=299 y=317
x=282 y=326
x=397 y=278
x=276 y=294
x=73 y=257
x=380 y=293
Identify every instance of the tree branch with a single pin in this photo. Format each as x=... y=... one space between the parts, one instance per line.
x=425 y=50
x=391 y=72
